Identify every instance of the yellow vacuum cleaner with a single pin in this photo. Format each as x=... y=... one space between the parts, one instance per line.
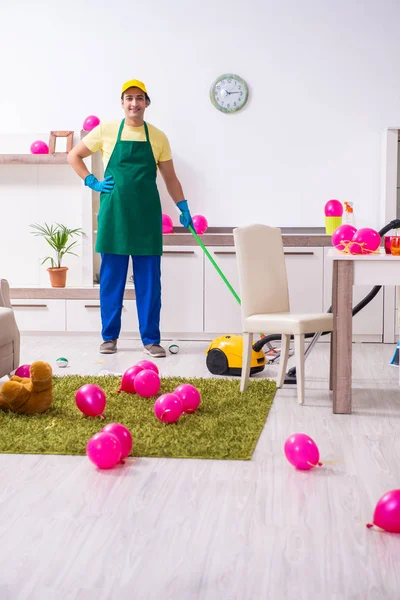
x=225 y=353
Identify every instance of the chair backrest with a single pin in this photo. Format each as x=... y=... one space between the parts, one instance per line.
x=5 y=294
x=262 y=270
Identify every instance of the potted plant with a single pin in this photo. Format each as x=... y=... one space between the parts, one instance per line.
x=59 y=238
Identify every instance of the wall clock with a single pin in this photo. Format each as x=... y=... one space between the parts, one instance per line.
x=229 y=93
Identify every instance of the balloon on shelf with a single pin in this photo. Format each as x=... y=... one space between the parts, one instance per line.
x=333 y=208
x=90 y=122
x=39 y=147
x=167 y=224
x=200 y=224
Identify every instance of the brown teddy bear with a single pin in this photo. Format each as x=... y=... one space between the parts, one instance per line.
x=29 y=395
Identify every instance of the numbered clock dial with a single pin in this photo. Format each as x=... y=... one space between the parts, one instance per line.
x=229 y=93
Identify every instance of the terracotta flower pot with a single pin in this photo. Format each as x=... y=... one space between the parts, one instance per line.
x=58 y=276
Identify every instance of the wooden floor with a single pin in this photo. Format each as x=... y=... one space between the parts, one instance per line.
x=211 y=530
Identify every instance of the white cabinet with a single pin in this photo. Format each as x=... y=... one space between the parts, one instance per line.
x=39 y=315
x=182 y=274
x=305 y=273
x=368 y=323
x=221 y=309
x=84 y=315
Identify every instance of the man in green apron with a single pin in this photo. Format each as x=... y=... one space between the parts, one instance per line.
x=129 y=220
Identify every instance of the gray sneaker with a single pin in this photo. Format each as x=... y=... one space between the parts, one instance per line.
x=108 y=347
x=155 y=350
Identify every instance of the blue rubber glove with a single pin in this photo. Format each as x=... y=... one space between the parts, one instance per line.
x=100 y=186
x=185 y=217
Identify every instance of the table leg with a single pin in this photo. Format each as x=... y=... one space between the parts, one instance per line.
x=342 y=360
x=332 y=365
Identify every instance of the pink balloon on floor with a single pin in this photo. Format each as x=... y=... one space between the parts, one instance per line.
x=147 y=364
x=39 y=147
x=124 y=436
x=333 y=208
x=90 y=122
x=147 y=383
x=301 y=451
x=200 y=224
x=167 y=224
x=190 y=397
x=104 y=450
x=128 y=379
x=90 y=399
x=168 y=408
x=343 y=233
x=23 y=371
x=366 y=240
x=387 y=512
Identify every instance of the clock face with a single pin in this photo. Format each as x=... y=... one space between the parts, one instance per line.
x=229 y=93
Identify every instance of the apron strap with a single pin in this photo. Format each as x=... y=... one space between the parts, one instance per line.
x=120 y=130
x=146 y=131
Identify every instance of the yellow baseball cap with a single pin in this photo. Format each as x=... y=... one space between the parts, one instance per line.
x=134 y=83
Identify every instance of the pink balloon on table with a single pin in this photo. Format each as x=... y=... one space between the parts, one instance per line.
x=128 y=379
x=23 y=371
x=167 y=224
x=168 y=408
x=366 y=240
x=104 y=450
x=333 y=208
x=90 y=399
x=90 y=122
x=124 y=436
x=147 y=383
x=342 y=234
x=190 y=397
x=200 y=224
x=387 y=512
x=147 y=364
x=302 y=452
x=39 y=147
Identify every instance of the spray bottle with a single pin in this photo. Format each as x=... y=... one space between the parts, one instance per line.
x=348 y=215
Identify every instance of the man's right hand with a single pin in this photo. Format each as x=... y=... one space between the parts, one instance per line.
x=104 y=186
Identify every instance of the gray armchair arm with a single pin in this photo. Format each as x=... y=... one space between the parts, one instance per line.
x=5 y=294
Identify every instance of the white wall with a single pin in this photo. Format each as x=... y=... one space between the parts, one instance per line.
x=323 y=78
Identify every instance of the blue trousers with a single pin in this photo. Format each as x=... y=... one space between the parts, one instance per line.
x=147 y=281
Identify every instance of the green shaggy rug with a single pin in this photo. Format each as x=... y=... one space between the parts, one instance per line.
x=227 y=424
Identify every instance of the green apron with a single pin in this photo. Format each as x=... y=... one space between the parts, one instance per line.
x=129 y=219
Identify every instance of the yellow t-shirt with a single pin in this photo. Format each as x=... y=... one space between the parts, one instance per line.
x=104 y=136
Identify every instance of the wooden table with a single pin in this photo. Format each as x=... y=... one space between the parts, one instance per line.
x=349 y=270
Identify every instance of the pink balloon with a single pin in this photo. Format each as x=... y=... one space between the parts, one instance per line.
x=190 y=397
x=124 y=436
x=104 y=450
x=23 y=371
x=128 y=379
x=39 y=147
x=147 y=383
x=167 y=224
x=90 y=122
x=168 y=408
x=369 y=238
x=387 y=512
x=90 y=399
x=343 y=233
x=200 y=224
x=301 y=451
x=147 y=364
x=333 y=208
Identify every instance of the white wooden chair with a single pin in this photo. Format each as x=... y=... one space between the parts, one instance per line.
x=265 y=300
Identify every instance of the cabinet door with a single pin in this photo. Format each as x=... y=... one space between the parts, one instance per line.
x=39 y=315
x=368 y=323
x=84 y=315
x=305 y=273
x=182 y=290
x=221 y=309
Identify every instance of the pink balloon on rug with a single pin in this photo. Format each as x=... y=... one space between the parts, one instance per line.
x=200 y=224
x=128 y=379
x=124 y=436
x=190 y=397
x=167 y=224
x=168 y=408
x=366 y=240
x=147 y=383
x=333 y=208
x=301 y=451
x=90 y=399
x=23 y=371
x=147 y=364
x=104 y=450
x=90 y=122
x=39 y=147
x=342 y=234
